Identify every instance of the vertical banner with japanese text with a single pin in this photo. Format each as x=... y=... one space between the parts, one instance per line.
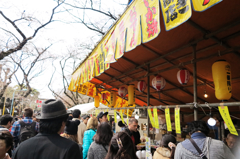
x=227 y=119
x=151 y=117
x=121 y=114
x=115 y=116
x=155 y=114
x=168 y=119
x=177 y=120
x=202 y=5
x=175 y=12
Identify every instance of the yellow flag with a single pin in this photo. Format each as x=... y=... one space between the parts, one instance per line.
x=227 y=119
x=121 y=114
x=96 y=112
x=127 y=115
x=156 y=124
x=175 y=13
x=4 y=106
x=108 y=116
x=177 y=121
x=168 y=119
x=115 y=116
x=151 y=117
x=13 y=111
x=202 y=5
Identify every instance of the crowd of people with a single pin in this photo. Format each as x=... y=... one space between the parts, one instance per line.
x=55 y=135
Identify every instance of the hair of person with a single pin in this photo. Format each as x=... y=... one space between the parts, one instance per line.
x=125 y=150
x=131 y=120
x=92 y=123
x=52 y=126
x=76 y=113
x=165 y=141
x=232 y=136
x=5 y=119
x=104 y=134
x=8 y=139
x=198 y=126
x=71 y=137
x=28 y=112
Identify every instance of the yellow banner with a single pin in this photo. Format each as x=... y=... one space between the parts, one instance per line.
x=175 y=12
x=227 y=119
x=127 y=116
x=115 y=116
x=96 y=112
x=168 y=119
x=4 y=107
x=151 y=117
x=121 y=114
x=110 y=45
x=13 y=110
x=108 y=116
x=202 y=5
x=177 y=121
x=155 y=114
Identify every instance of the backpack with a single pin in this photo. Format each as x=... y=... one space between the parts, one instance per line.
x=27 y=130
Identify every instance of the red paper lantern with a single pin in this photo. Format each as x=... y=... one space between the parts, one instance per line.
x=141 y=86
x=122 y=92
x=183 y=76
x=104 y=96
x=158 y=82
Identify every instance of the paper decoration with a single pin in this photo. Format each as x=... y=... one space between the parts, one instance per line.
x=177 y=120
x=168 y=119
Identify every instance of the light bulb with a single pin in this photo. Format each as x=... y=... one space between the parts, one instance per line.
x=211 y=121
x=118 y=117
x=136 y=116
x=205 y=94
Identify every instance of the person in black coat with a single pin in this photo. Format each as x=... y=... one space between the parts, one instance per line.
x=48 y=144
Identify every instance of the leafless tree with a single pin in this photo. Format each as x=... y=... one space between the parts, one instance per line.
x=12 y=42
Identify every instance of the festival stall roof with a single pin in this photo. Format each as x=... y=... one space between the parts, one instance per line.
x=162 y=46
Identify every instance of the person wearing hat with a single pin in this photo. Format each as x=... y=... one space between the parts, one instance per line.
x=82 y=128
x=102 y=117
x=48 y=143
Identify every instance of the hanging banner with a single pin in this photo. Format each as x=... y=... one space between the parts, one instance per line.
x=175 y=12
x=202 y=5
x=168 y=119
x=177 y=120
x=108 y=116
x=127 y=116
x=121 y=114
x=155 y=114
x=151 y=117
x=227 y=119
x=4 y=106
x=115 y=116
x=96 y=112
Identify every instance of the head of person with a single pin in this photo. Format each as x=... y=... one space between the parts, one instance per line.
x=231 y=140
x=198 y=126
x=34 y=118
x=76 y=113
x=104 y=134
x=53 y=117
x=6 y=143
x=133 y=124
x=92 y=123
x=121 y=147
x=28 y=112
x=102 y=117
x=71 y=129
x=120 y=124
x=6 y=121
x=85 y=119
x=166 y=139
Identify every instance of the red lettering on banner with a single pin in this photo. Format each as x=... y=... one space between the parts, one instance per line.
x=121 y=39
x=90 y=90
x=97 y=63
x=205 y=2
x=151 y=23
x=133 y=20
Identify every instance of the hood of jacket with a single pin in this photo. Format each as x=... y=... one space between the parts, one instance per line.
x=165 y=152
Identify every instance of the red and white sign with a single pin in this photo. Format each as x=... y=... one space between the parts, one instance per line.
x=39 y=106
x=158 y=82
x=141 y=86
x=183 y=76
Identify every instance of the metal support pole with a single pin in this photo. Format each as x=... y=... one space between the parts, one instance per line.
x=195 y=83
x=148 y=98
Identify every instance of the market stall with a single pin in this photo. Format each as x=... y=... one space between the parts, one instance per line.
x=163 y=54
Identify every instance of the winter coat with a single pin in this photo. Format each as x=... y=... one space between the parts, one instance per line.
x=162 y=153
x=47 y=146
x=97 y=151
x=87 y=140
x=213 y=149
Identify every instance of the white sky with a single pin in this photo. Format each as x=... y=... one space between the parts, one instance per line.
x=63 y=35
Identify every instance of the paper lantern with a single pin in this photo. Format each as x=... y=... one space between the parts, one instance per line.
x=221 y=72
x=158 y=82
x=104 y=96
x=131 y=95
x=96 y=101
x=141 y=86
x=122 y=92
x=183 y=76
x=113 y=98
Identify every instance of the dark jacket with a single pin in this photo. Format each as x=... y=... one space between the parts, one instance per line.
x=47 y=146
x=136 y=135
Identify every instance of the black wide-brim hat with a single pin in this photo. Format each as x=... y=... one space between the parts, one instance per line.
x=53 y=109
